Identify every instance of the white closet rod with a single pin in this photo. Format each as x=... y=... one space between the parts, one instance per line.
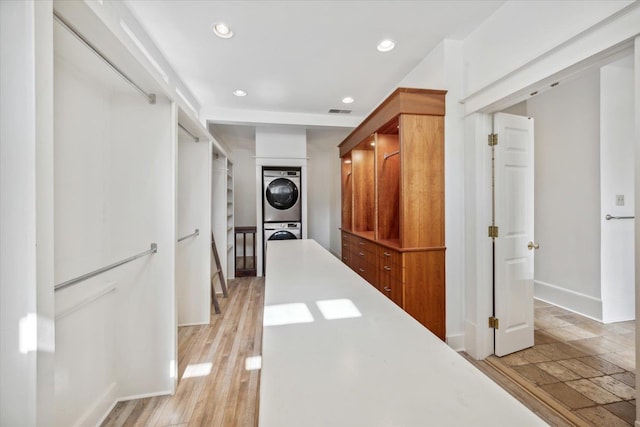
x=150 y=96
x=152 y=250
x=195 y=233
x=195 y=138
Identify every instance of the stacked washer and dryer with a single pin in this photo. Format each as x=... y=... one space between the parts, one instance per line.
x=281 y=205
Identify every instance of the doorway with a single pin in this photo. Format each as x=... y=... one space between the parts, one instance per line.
x=584 y=171
x=584 y=132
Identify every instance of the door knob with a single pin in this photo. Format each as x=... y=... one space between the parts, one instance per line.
x=532 y=246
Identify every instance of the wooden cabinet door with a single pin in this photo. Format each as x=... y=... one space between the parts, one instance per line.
x=424 y=289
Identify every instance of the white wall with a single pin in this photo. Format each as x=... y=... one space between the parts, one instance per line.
x=636 y=91
x=542 y=47
x=143 y=203
x=279 y=142
x=319 y=189
x=115 y=194
x=533 y=28
x=26 y=229
x=519 y=109
x=219 y=216
x=245 y=187
x=193 y=255
x=567 y=194
x=617 y=178
x=82 y=108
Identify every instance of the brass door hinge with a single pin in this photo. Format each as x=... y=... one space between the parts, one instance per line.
x=493 y=231
x=493 y=139
x=494 y=323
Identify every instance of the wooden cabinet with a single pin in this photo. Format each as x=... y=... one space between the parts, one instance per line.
x=393 y=202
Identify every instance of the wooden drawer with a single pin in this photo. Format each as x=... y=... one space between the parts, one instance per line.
x=368 y=272
x=348 y=249
x=364 y=255
x=393 y=290
x=364 y=245
x=388 y=256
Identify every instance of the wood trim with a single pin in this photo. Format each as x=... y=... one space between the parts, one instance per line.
x=391 y=245
x=388 y=186
x=401 y=101
x=422 y=181
x=347 y=194
x=363 y=190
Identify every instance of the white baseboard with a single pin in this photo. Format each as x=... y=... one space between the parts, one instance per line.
x=193 y=324
x=145 y=395
x=456 y=342
x=102 y=406
x=582 y=304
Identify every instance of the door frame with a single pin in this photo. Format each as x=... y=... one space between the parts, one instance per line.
x=479 y=338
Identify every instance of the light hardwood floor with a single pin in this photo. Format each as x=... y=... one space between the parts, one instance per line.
x=215 y=388
x=227 y=394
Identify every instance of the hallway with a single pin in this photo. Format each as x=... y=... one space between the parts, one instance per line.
x=578 y=365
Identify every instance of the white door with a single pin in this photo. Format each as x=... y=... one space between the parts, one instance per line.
x=514 y=246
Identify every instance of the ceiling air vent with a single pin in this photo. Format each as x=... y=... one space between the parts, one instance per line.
x=337 y=111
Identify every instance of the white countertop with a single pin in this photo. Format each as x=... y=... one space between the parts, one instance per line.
x=379 y=368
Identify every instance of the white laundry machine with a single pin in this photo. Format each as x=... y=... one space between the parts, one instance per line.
x=282 y=231
x=279 y=231
x=281 y=194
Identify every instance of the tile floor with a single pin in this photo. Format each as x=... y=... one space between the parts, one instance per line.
x=587 y=366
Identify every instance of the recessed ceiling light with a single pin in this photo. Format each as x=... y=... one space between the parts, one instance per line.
x=373 y=144
x=222 y=30
x=386 y=45
x=347 y=100
x=239 y=92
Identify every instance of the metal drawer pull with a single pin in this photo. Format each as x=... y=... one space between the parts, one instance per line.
x=361 y=254
x=344 y=244
x=361 y=243
x=387 y=254
x=387 y=289
x=362 y=270
x=387 y=268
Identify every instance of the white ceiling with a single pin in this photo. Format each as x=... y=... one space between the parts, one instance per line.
x=300 y=56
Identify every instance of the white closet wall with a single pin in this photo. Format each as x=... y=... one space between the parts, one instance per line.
x=230 y=245
x=114 y=194
x=193 y=255
x=96 y=166
x=222 y=215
